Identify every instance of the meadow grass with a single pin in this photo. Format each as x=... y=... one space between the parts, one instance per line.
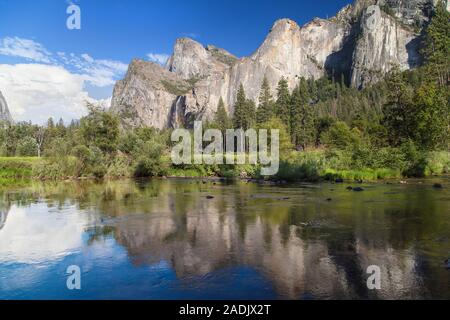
x=313 y=165
x=438 y=163
x=17 y=167
x=366 y=174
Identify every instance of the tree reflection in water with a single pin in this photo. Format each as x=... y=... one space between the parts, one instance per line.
x=305 y=245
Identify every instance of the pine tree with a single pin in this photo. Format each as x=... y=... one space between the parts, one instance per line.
x=266 y=106
x=221 y=117
x=301 y=116
x=432 y=117
x=50 y=123
x=398 y=112
x=312 y=89
x=239 y=108
x=250 y=114
x=244 y=111
x=437 y=46
x=275 y=123
x=283 y=103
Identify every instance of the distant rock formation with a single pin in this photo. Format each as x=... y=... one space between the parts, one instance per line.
x=360 y=44
x=5 y=116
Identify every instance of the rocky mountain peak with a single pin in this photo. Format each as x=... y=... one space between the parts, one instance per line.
x=222 y=55
x=408 y=12
x=284 y=24
x=344 y=15
x=361 y=43
x=190 y=59
x=5 y=115
x=384 y=42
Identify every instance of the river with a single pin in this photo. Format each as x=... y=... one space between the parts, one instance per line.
x=193 y=239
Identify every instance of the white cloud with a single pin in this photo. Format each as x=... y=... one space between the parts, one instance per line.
x=53 y=85
x=100 y=73
x=24 y=48
x=104 y=103
x=160 y=58
x=33 y=235
x=38 y=91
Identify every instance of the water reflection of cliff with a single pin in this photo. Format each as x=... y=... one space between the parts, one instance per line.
x=3 y=215
x=305 y=245
x=325 y=256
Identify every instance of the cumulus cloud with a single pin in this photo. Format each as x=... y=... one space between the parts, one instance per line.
x=98 y=72
x=38 y=91
x=53 y=85
x=34 y=236
x=160 y=58
x=24 y=48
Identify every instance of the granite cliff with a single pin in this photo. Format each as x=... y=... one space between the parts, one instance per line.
x=5 y=116
x=360 y=44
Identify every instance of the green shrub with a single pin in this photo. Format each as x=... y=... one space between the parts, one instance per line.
x=150 y=162
x=340 y=136
x=120 y=167
x=302 y=166
x=438 y=163
x=26 y=147
x=55 y=168
x=176 y=88
x=415 y=160
x=3 y=150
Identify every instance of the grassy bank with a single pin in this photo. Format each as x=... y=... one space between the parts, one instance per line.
x=316 y=165
x=14 y=169
x=385 y=164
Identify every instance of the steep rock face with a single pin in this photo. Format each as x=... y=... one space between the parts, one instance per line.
x=409 y=12
x=207 y=69
x=383 y=44
x=191 y=60
x=147 y=95
x=362 y=42
x=288 y=51
x=5 y=116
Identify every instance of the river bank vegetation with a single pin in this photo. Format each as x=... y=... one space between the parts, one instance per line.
x=399 y=127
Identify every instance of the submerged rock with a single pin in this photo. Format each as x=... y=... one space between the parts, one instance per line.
x=358 y=189
x=438 y=186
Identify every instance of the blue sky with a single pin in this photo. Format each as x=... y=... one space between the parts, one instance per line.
x=35 y=42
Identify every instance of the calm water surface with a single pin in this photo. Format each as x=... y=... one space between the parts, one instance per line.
x=164 y=239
